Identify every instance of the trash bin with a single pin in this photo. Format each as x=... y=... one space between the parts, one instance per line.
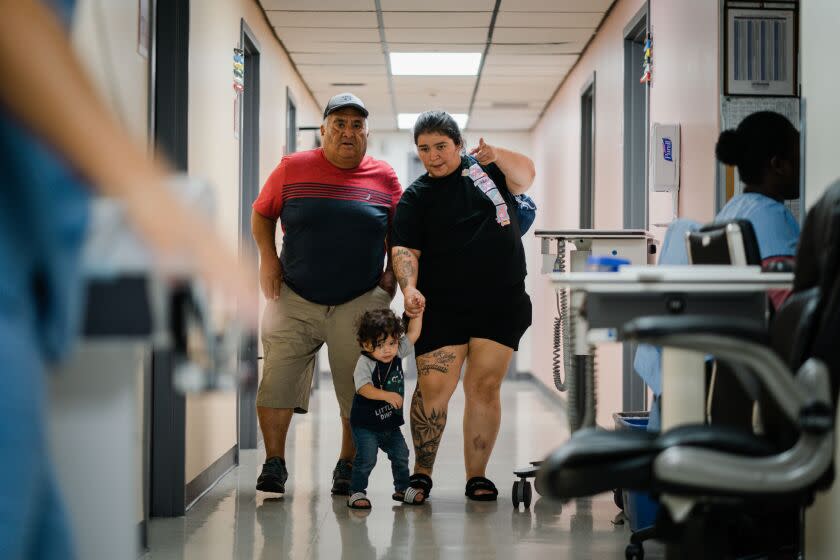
x=639 y=507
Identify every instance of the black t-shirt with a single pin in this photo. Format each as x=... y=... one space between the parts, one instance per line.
x=466 y=255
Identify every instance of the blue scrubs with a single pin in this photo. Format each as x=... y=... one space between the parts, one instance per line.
x=43 y=218
x=777 y=232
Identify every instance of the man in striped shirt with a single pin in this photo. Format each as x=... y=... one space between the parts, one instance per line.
x=335 y=206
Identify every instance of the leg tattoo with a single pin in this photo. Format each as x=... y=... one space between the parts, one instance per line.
x=426 y=431
x=438 y=361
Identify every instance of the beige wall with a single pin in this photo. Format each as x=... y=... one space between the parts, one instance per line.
x=105 y=36
x=684 y=90
x=214 y=156
x=820 y=84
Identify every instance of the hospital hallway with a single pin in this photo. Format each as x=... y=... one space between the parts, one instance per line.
x=233 y=520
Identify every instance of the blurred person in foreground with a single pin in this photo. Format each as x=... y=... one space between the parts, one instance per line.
x=59 y=146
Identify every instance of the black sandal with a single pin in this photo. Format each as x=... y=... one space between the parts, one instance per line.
x=480 y=483
x=422 y=483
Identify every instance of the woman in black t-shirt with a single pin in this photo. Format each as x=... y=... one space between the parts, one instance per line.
x=458 y=257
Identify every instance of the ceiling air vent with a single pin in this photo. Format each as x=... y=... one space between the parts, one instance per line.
x=509 y=104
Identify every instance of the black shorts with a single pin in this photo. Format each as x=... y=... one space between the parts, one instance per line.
x=503 y=321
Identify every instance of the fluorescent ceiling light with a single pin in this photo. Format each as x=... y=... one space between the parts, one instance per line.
x=435 y=64
x=406 y=120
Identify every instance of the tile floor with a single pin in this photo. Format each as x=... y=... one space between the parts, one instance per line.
x=233 y=520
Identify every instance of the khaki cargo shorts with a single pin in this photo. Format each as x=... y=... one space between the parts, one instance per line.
x=293 y=330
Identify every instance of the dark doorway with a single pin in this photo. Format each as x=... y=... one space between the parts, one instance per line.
x=636 y=145
x=587 y=155
x=171 y=97
x=291 y=123
x=635 y=125
x=249 y=188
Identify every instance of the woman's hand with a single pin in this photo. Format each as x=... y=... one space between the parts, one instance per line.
x=484 y=153
x=415 y=302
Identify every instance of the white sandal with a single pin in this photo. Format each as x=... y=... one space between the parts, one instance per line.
x=357 y=497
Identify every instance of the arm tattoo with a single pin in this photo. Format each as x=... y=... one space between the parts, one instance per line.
x=439 y=361
x=404 y=266
x=426 y=430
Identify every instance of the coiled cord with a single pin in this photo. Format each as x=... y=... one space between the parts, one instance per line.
x=562 y=338
x=580 y=375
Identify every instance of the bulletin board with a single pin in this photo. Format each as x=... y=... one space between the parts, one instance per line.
x=732 y=111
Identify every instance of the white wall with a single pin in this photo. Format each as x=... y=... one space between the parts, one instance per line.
x=684 y=90
x=820 y=89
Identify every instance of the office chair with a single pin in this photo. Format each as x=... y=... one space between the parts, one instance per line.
x=739 y=493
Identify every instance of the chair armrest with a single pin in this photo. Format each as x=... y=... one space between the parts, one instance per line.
x=651 y=329
x=737 y=341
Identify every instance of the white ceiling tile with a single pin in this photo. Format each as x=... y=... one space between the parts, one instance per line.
x=525 y=71
x=549 y=19
x=436 y=35
x=320 y=5
x=437 y=5
x=420 y=105
x=540 y=35
x=527 y=91
x=435 y=47
x=311 y=46
x=485 y=122
x=338 y=58
x=435 y=84
x=574 y=47
x=323 y=19
x=509 y=104
x=436 y=19
x=494 y=58
x=555 y=5
x=343 y=73
x=495 y=119
x=334 y=34
x=490 y=123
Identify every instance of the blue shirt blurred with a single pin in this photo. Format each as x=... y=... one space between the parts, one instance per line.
x=43 y=219
x=777 y=232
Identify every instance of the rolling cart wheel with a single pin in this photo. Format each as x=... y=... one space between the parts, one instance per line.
x=514 y=493
x=634 y=552
x=526 y=493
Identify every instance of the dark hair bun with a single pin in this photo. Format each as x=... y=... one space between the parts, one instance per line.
x=730 y=147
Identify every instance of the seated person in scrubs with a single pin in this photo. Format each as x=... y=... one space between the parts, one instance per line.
x=765 y=148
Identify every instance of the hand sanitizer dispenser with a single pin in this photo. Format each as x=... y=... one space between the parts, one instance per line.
x=665 y=161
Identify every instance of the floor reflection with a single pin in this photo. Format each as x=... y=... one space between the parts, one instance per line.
x=235 y=521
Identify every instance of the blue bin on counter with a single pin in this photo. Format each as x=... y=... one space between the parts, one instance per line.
x=640 y=508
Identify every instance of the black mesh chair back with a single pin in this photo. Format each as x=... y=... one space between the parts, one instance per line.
x=818 y=267
x=731 y=242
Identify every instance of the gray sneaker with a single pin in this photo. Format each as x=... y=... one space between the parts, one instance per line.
x=273 y=476
x=341 y=478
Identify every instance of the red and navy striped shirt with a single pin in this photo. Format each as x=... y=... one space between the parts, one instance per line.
x=335 y=222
